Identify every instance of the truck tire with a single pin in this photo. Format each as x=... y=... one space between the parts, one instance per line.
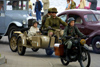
x=11 y=30
x=96 y=48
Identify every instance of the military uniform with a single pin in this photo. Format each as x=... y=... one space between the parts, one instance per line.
x=54 y=23
x=44 y=18
x=73 y=5
x=71 y=31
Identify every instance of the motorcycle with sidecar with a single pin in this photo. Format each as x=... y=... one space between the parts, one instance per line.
x=20 y=41
x=78 y=52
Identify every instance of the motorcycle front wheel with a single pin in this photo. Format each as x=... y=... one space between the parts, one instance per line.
x=64 y=62
x=85 y=59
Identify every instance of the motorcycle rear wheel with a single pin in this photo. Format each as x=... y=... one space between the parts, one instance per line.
x=64 y=62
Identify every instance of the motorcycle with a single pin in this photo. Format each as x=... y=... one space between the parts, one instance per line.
x=78 y=52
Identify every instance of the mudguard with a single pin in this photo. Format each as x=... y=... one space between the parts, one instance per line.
x=17 y=23
x=23 y=37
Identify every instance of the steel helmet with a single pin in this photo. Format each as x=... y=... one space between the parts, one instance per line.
x=34 y=21
x=70 y=19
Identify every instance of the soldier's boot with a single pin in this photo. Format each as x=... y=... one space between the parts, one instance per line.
x=67 y=57
x=69 y=44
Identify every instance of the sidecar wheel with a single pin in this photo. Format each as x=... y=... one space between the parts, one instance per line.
x=13 y=43
x=86 y=60
x=64 y=62
x=21 y=48
x=35 y=50
x=49 y=51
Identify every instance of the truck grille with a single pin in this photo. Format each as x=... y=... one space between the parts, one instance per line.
x=30 y=22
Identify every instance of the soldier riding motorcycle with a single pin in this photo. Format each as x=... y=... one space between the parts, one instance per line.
x=73 y=46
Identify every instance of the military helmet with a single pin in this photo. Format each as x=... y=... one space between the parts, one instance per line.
x=54 y=10
x=70 y=19
x=34 y=21
x=49 y=10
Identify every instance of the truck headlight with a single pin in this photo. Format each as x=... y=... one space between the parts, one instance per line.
x=24 y=22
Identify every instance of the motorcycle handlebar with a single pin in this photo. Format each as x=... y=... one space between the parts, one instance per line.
x=70 y=37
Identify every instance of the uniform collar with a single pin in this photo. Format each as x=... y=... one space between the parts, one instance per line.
x=71 y=27
x=53 y=18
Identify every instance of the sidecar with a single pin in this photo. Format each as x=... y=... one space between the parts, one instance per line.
x=20 y=41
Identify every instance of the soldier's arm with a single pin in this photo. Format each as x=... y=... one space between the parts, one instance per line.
x=62 y=22
x=78 y=32
x=65 y=32
x=47 y=23
x=43 y=20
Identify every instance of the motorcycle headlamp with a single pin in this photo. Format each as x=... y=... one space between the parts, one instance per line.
x=83 y=41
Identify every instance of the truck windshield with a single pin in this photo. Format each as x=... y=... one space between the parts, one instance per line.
x=90 y=18
x=16 y=5
x=98 y=16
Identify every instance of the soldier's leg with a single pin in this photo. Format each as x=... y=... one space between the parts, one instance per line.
x=69 y=44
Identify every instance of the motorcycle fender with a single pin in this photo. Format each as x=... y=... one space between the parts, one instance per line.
x=23 y=37
x=17 y=32
x=85 y=47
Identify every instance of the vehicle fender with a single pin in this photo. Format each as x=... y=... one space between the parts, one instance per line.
x=19 y=24
x=23 y=38
x=94 y=33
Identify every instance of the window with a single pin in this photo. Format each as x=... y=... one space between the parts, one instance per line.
x=90 y=18
x=78 y=19
x=63 y=17
x=98 y=16
x=16 y=5
x=2 y=8
x=1 y=5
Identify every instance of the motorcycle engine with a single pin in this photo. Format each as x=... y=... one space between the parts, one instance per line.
x=73 y=54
